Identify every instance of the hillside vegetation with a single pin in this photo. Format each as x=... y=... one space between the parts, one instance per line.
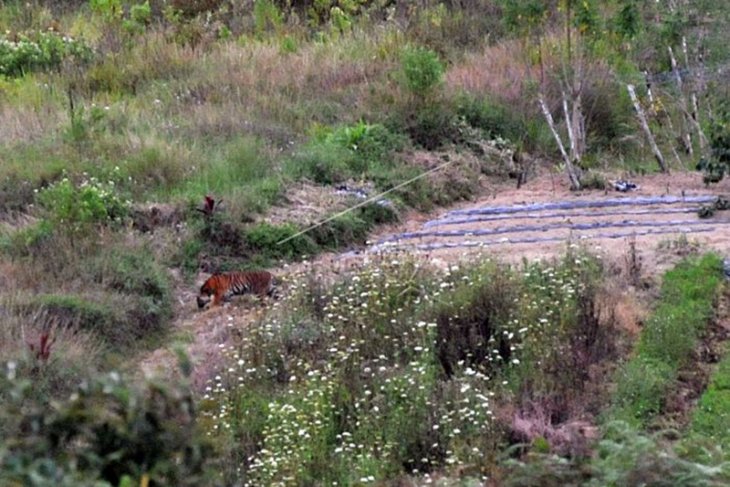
x=145 y=144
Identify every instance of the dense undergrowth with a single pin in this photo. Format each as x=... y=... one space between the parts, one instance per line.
x=140 y=138
x=397 y=371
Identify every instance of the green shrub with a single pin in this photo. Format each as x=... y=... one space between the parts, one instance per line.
x=136 y=272
x=494 y=119
x=718 y=164
x=74 y=207
x=346 y=152
x=105 y=434
x=422 y=70
x=265 y=237
x=642 y=388
x=321 y=163
x=430 y=126
x=104 y=319
x=40 y=50
x=688 y=293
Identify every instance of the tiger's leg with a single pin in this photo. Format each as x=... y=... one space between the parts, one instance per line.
x=218 y=298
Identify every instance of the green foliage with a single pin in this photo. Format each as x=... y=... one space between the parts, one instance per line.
x=557 y=325
x=27 y=240
x=688 y=293
x=628 y=457
x=422 y=69
x=108 y=9
x=82 y=312
x=711 y=417
x=265 y=237
x=344 y=387
x=139 y=17
x=668 y=338
x=74 y=207
x=105 y=434
x=493 y=118
x=524 y=15
x=627 y=21
x=267 y=16
x=642 y=388
x=352 y=151
x=40 y=50
x=593 y=180
x=718 y=164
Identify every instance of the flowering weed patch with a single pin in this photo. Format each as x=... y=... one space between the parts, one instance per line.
x=393 y=370
x=42 y=50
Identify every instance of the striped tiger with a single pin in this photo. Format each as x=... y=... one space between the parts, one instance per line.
x=224 y=285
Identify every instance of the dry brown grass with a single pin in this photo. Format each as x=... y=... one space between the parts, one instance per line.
x=499 y=70
x=26 y=124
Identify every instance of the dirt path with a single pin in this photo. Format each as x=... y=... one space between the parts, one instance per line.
x=534 y=222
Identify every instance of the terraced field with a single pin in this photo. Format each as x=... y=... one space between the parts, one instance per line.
x=538 y=223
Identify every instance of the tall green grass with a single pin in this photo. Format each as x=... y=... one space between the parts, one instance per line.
x=668 y=339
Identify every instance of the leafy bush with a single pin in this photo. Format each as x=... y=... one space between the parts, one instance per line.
x=718 y=164
x=41 y=50
x=625 y=456
x=422 y=70
x=265 y=238
x=431 y=126
x=593 y=180
x=105 y=434
x=321 y=163
x=75 y=207
x=493 y=118
x=351 y=151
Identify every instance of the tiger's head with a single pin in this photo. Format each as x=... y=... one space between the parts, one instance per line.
x=206 y=291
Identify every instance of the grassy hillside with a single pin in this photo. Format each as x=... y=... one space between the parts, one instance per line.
x=143 y=144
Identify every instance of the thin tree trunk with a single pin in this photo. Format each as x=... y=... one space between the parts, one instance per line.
x=570 y=169
x=686 y=136
x=647 y=130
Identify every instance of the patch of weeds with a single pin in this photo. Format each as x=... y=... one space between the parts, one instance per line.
x=264 y=238
x=668 y=338
x=593 y=180
x=422 y=71
x=345 y=152
x=494 y=119
x=430 y=126
x=711 y=417
x=75 y=207
x=134 y=272
x=31 y=51
x=641 y=388
x=27 y=240
x=320 y=163
x=103 y=319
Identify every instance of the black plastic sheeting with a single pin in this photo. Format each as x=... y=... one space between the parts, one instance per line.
x=556 y=214
x=548 y=227
x=576 y=204
x=521 y=240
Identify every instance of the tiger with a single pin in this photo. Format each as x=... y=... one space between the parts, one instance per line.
x=221 y=286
